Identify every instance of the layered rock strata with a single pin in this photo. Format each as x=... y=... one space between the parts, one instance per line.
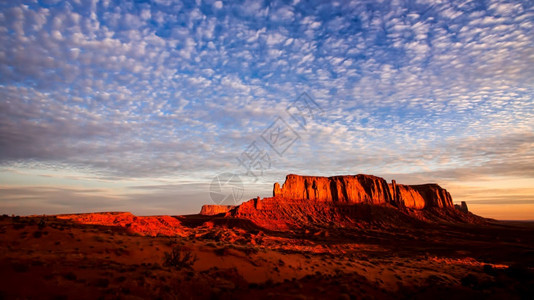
x=366 y=189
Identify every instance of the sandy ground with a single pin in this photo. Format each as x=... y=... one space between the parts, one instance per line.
x=53 y=258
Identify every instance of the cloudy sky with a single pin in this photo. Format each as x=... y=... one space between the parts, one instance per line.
x=138 y=105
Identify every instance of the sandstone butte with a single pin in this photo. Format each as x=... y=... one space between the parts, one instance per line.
x=367 y=189
x=349 y=200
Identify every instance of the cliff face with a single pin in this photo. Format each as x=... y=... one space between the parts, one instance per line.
x=209 y=210
x=354 y=200
x=338 y=189
x=365 y=189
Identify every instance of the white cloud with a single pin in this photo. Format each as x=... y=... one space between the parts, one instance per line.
x=275 y=38
x=142 y=90
x=284 y=13
x=218 y=4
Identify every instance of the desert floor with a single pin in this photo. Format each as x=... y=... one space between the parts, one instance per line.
x=45 y=257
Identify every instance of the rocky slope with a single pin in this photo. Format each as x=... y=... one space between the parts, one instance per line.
x=145 y=226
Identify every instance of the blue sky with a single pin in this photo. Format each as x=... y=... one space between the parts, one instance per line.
x=137 y=105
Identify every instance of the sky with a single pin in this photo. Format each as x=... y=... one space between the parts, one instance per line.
x=146 y=106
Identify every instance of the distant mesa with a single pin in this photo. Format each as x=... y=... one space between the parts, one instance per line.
x=349 y=200
x=367 y=189
x=210 y=210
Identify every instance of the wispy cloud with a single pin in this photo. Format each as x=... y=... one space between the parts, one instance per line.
x=433 y=90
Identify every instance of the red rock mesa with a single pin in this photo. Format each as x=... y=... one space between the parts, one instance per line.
x=351 y=200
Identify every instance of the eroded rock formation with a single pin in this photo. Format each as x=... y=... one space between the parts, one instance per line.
x=462 y=207
x=366 y=189
x=352 y=200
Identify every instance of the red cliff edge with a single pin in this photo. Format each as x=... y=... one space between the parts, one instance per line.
x=351 y=200
x=366 y=189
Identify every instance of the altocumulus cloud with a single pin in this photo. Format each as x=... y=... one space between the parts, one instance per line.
x=126 y=90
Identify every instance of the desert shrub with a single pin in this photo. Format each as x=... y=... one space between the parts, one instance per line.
x=37 y=263
x=42 y=224
x=98 y=238
x=171 y=242
x=180 y=257
x=121 y=251
x=221 y=251
x=102 y=282
x=20 y=267
x=488 y=269
x=253 y=285
x=469 y=281
x=70 y=276
x=19 y=226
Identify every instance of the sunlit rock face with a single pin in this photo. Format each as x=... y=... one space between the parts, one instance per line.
x=355 y=201
x=420 y=196
x=364 y=189
x=145 y=226
x=337 y=189
x=210 y=210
